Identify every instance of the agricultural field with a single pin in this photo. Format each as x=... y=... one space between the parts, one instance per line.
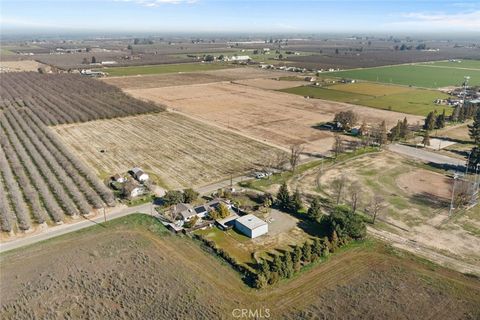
x=164 y=68
x=416 y=202
x=41 y=182
x=388 y=97
x=274 y=117
x=189 y=78
x=116 y=275
x=417 y=75
x=178 y=151
x=21 y=65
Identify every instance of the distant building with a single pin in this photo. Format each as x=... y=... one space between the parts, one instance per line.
x=251 y=226
x=239 y=58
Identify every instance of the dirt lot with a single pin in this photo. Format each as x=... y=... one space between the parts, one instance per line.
x=129 y=270
x=18 y=66
x=176 y=150
x=271 y=84
x=275 y=117
x=459 y=132
x=178 y=79
x=416 y=202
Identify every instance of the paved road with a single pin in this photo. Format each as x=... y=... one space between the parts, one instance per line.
x=426 y=156
x=59 y=230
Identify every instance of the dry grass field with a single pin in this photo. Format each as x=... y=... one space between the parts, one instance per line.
x=178 y=151
x=130 y=269
x=278 y=118
x=416 y=202
x=271 y=84
x=189 y=78
x=21 y=65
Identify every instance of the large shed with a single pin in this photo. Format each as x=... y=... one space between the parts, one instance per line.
x=251 y=226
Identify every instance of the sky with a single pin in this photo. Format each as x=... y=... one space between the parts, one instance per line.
x=224 y=16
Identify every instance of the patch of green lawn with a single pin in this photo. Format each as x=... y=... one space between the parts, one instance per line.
x=416 y=75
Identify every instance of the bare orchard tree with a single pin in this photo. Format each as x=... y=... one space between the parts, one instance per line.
x=281 y=160
x=295 y=152
x=355 y=195
x=338 y=187
x=376 y=206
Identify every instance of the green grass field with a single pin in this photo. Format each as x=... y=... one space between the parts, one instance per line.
x=466 y=64
x=387 y=97
x=440 y=74
x=164 y=68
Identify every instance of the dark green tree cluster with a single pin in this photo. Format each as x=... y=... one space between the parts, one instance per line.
x=289 y=203
x=400 y=131
x=175 y=196
x=344 y=224
x=434 y=121
x=464 y=112
x=284 y=266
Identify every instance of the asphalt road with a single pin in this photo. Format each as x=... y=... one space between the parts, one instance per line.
x=55 y=231
x=425 y=156
x=59 y=230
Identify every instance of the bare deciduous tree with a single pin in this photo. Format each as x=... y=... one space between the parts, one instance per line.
x=355 y=190
x=295 y=152
x=337 y=145
x=376 y=206
x=338 y=187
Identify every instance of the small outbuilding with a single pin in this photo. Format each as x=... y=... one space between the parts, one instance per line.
x=139 y=175
x=251 y=226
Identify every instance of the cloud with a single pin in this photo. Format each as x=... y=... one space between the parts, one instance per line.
x=465 y=21
x=157 y=3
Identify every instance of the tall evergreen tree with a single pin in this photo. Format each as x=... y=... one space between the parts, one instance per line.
x=297 y=257
x=404 y=130
x=306 y=252
x=474 y=128
x=430 y=121
x=381 y=134
x=283 y=197
x=287 y=265
x=315 y=211
x=296 y=201
x=276 y=264
x=426 y=139
x=440 y=121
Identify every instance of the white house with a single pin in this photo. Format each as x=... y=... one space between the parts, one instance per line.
x=251 y=226
x=138 y=174
x=137 y=191
x=240 y=58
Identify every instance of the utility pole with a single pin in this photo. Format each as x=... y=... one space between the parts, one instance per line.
x=455 y=176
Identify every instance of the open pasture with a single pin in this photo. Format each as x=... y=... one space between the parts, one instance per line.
x=175 y=150
x=275 y=117
x=388 y=97
x=416 y=75
x=130 y=268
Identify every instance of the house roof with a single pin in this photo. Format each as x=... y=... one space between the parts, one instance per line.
x=251 y=222
x=200 y=209
x=137 y=171
x=181 y=207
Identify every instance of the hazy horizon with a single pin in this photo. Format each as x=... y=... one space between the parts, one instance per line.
x=238 y=17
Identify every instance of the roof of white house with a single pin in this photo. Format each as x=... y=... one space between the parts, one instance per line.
x=250 y=221
x=137 y=170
